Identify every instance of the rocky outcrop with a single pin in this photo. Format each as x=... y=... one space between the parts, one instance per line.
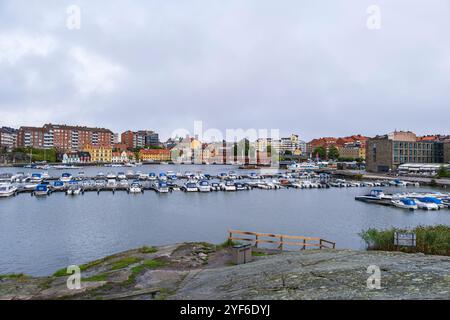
x=204 y=271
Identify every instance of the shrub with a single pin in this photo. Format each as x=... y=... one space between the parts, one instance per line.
x=429 y=239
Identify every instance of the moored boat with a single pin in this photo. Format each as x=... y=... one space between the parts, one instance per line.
x=229 y=186
x=428 y=203
x=135 y=187
x=191 y=187
x=405 y=203
x=41 y=190
x=204 y=186
x=162 y=187
x=66 y=177
x=375 y=196
x=7 y=190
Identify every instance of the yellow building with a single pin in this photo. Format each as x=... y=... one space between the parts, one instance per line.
x=154 y=155
x=99 y=154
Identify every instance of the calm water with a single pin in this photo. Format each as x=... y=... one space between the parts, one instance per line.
x=39 y=236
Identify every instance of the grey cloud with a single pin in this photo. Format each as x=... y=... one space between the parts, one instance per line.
x=310 y=67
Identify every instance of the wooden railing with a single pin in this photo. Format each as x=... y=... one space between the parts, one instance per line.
x=280 y=239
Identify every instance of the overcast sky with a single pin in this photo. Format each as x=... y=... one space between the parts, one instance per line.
x=308 y=67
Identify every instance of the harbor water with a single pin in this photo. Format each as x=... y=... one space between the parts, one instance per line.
x=40 y=235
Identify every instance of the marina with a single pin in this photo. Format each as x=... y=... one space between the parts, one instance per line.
x=41 y=234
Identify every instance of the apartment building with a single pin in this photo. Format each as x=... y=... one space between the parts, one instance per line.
x=8 y=138
x=140 y=139
x=64 y=137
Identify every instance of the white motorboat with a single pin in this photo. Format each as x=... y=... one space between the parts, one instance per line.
x=215 y=186
x=376 y=196
x=162 y=187
x=111 y=183
x=240 y=186
x=405 y=203
x=7 y=178
x=7 y=190
x=398 y=183
x=303 y=167
x=41 y=190
x=74 y=190
x=152 y=176
x=191 y=186
x=123 y=183
x=36 y=177
x=66 y=177
x=232 y=175
x=121 y=176
x=171 y=175
x=203 y=186
x=111 y=175
x=427 y=203
x=135 y=187
x=229 y=186
x=57 y=185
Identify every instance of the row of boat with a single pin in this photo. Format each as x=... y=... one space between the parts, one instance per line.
x=410 y=201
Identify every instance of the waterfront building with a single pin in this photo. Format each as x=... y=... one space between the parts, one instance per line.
x=386 y=153
x=64 y=137
x=349 y=147
x=76 y=157
x=70 y=157
x=447 y=151
x=122 y=157
x=8 y=138
x=152 y=139
x=154 y=155
x=140 y=139
x=99 y=154
x=120 y=147
x=30 y=137
x=430 y=169
x=349 y=151
x=262 y=144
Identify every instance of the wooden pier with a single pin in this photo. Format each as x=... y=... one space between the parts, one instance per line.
x=280 y=239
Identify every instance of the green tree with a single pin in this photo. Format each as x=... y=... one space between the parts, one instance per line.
x=333 y=153
x=443 y=172
x=321 y=152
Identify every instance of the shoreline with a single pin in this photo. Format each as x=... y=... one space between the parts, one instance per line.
x=206 y=271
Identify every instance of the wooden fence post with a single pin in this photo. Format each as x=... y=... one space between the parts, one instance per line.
x=320 y=244
x=304 y=246
x=281 y=243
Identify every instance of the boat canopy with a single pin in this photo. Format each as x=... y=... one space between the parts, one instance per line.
x=407 y=201
x=41 y=187
x=430 y=200
x=58 y=183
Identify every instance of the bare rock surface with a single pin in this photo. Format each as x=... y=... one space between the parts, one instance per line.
x=205 y=271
